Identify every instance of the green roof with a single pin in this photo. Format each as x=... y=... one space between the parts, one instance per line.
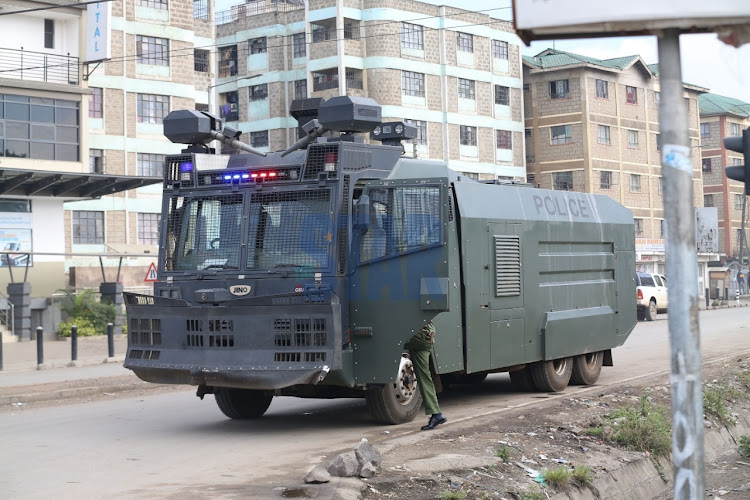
x=552 y=58
x=713 y=104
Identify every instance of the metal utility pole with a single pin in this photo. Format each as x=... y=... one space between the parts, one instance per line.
x=743 y=241
x=682 y=272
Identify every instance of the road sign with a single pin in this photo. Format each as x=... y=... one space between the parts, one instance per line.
x=151 y=273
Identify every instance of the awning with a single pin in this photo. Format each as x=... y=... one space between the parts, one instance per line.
x=68 y=185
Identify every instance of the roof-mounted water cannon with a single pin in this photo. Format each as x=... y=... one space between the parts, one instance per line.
x=198 y=129
x=349 y=115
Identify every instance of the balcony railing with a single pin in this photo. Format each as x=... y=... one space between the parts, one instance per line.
x=256 y=8
x=38 y=66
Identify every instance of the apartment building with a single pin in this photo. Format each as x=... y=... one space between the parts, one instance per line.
x=452 y=73
x=593 y=126
x=722 y=117
x=161 y=60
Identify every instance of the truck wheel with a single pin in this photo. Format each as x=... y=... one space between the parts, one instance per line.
x=553 y=375
x=586 y=368
x=242 y=403
x=651 y=311
x=641 y=314
x=521 y=379
x=396 y=403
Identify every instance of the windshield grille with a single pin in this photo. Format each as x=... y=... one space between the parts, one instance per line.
x=290 y=229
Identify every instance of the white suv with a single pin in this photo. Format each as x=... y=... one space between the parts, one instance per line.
x=650 y=295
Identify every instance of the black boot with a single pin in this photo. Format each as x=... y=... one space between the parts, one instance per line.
x=435 y=420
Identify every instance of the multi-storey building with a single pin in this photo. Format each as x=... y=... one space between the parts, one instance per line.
x=593 y=126
x=454 y=74
x=722 y=117
x=161 y=60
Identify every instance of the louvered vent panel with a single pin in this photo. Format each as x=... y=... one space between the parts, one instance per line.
x=507 y=266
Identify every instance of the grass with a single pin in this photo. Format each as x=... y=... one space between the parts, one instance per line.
x=582 y=476
x=745 y=446
x=503 y=453
x=745 y=379
x=643 y=427
x=715 y=402
x=532 y=495
x=452 y=495
x=558 y=478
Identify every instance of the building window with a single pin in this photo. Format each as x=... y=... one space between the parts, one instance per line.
x=499 y=49
x=706 y=165
x=229 y=109
x=737 y=162
x=559 y=89
x=200 y=106
x=96 y=102
x=658 y=142
x=708 y=200
x=152 y=50
x=259 y=139
x=152 y=108
x=148 y=229
x=421 y=131
x=325 y=79
x=96 y=161
x=739 y=200
x=464 y=42
x=412 y=36
x=354 y=79
x=88 y=227
x=560 y=134
x=526 y=87
x=227 y=61
x=638 y=227
x=299 y=45
x=300 y=89
x=154 y=4
x=632 y=138
x=657 y=99
x=41 y=129
x=149 y=165
x=661 y=186
x=412 y=83
x=631 y=94
x=259 y=92
x=527 y=133
x=257 y=45
x=351 y=29
x=705 y=130
x=635 y=183
x=502 y=95
x=605 y=179
x=49 y=34
x=504 y=139
x=200 y=60
x=603 y=136
x=322 y=30
x=602 y=90
x=735 y=130
x=200 y=9
x=468 y=135
x=531 y=179
x=465 y=88
x=562 y=181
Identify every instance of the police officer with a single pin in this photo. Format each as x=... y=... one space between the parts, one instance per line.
x=419 y=347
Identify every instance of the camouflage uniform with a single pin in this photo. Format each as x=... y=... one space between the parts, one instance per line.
x=419 y=347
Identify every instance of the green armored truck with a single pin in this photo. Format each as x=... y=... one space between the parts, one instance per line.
x=304 y=272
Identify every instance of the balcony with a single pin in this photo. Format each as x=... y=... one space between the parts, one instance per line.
x=255 y=8
x=39 y=66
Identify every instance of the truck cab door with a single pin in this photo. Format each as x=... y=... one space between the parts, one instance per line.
x=661 y=290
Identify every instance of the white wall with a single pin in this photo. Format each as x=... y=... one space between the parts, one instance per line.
x=48 y=228
x=27 y=31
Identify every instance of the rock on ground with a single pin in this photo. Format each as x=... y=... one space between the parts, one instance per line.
x=344 y=465
x=317 y=475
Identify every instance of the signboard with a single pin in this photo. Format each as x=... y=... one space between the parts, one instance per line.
x=15 y=237
x=707 y=230
x=548 y=19
x=649 y=245
x=151 y=273
x=98 y=31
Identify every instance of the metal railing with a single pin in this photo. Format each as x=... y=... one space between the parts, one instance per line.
x=39 y=66
x=200 y=9
x=256 y=8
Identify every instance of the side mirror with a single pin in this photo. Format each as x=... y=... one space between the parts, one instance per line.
x=362 y=213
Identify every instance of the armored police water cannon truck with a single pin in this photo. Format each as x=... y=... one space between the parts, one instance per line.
x=304 y=272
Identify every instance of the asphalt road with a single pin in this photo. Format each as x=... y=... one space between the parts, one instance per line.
x=175 y=446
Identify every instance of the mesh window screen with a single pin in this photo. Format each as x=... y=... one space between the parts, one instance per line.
x=204 y=233
x=402 y=219
x=290 y=229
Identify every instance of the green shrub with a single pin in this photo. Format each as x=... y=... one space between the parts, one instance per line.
x=503 y=453
x=715 y=402
x=643 y=428
x=582 y=476
x=84 y=308
x=558 y=478
x=745 y=446
x=452 y=495
x=530 y=496
x=85 y=327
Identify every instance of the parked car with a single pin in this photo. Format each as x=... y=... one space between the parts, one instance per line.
x=650 y=295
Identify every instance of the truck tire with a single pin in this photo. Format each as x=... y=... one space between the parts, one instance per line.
x=242 y=403
x=641 y=314
x=552 y=375
x=651 y=311
x=396 y=403
x=586 y=368
x=521 y=380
